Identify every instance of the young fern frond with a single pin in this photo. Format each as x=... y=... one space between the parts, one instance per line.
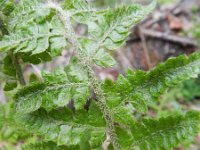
x=72 y=109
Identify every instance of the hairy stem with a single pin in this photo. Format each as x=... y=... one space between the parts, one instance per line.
x=94 y=83
x=15 y=61
x=15 y=58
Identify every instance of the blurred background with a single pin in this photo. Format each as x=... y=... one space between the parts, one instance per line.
x=171 y=30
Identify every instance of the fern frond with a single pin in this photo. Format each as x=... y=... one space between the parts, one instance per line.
x=67 y=128
x=112 y=26
x=161 y=134
x=34 y=30
x=71 y=109
x=9 y=130
x=105 y=25
x=56 y=91
x=141 y=89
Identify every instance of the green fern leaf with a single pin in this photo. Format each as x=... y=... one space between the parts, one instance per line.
x=56 y=91
x=139 y=89
x=105 y=25
x=112 y=26
x=62 y=109
x=161 y=134
x=9 y=129
x=67 y=128
x=35 y=31
x=143 y=88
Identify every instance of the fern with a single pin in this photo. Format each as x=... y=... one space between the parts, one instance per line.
x=113 y=26
x=56 y=91
x=163 y=133
x=187 y=91
x=143 y=88
x=35 y=32
x=9 y=130
x=71 y=108
x=67 y=129
x=6 y=7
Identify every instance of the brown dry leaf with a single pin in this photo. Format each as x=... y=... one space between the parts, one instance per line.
x=174 y=23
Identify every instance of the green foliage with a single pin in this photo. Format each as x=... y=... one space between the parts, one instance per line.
x=56 y=91
x=67 y=128
x=163 y=133
x=99 y=56
x=36 y=32
x=173 y=71
x=9 y=70
x=112 y=27
x=9 y=130
x=43 y=146
x=6 y=6
x=144 y=88
x=70 y=108
x=187 y=91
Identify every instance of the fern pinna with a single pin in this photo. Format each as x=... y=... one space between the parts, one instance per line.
x=71 y=108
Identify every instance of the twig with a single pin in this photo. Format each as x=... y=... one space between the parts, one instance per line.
x=125 y=62
x=145 y=49
x=171 y=38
